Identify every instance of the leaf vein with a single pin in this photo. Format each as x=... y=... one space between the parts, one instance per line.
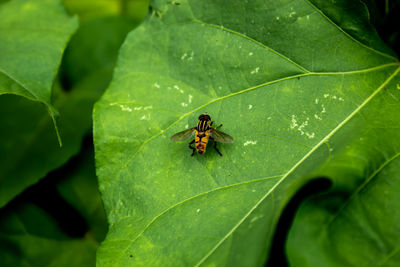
x=363 y=185
x=244 y=91
x=252 y=40
x=390 y=255
x=189 y=199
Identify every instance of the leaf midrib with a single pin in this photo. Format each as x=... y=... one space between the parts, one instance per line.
x=390 y=255
x=252 y=40
x=33 y=97
x=187 y=200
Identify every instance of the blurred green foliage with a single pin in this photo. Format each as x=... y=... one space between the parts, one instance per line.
x=60 y=220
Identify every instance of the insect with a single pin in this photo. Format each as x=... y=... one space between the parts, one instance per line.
x=202 y=133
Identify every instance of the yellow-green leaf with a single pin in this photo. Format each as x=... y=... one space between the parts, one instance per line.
x=286 y=79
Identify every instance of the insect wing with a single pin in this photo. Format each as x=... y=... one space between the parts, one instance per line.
x=182 y=135
x=221 y=137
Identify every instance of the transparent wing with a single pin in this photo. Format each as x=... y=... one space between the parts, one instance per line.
x=221 y=137
x=182 y=135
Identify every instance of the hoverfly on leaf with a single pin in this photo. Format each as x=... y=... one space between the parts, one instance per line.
x=202 y=133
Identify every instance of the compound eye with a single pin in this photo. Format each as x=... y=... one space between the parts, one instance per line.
x=204 y=117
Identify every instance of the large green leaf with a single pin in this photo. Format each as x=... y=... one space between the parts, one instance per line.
x=286 y=78
x=31 y=46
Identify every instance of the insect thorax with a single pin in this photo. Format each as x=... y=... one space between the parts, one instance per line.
x=203 y=125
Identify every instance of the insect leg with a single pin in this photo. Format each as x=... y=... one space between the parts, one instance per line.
x=215 y=147
x=192 y=148
x=213 y=123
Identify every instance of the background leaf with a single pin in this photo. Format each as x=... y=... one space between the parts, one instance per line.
x=93 y=49
x=383 y=15
x=289 y=83
x=29 y=140
x=94 y=9
x=80 y=190
x=31 y=234
x=60 y=220
x=31 y=46
x=31 y=49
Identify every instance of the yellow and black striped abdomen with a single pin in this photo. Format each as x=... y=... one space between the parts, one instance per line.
x=201 y=140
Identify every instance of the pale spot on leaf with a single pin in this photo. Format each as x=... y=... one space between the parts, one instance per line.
x=255 y=70
x=294 y=122
x=249 y=143
x=145 y=117
x=310 y=135
x=125 y=108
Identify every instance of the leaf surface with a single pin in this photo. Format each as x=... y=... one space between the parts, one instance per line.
x=284 y=80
